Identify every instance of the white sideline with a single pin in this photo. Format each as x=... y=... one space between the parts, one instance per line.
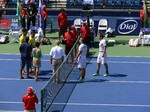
x=115 y=62
x=108 y=105
x=85 y=104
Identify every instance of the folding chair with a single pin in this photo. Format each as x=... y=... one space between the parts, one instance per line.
x=78 y=23
x=15 y=32
x=102 y=25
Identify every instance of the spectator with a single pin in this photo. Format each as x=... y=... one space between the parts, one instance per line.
x=37 y=54
x=23 y=36
x=29 y=100
x=45 y=15
x=86 y=33
x=25 y=50
x=81 y=58
x=31 y=14
x=102 y=56
x=56 y=58
x=62 y=23
x=23 y=11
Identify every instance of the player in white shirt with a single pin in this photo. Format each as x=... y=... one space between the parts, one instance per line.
x=81 y=58
x=56 y=58
x=102 y=56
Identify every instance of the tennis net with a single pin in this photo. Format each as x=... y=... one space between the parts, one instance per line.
x=52 y=92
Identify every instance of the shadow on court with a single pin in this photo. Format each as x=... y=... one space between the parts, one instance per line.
x=115 y=75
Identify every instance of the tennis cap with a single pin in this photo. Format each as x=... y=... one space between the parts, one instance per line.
x=30 y=90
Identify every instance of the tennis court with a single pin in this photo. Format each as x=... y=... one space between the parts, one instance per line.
x=126 y=89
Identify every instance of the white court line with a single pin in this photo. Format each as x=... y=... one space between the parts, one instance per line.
x=115 y=62
x=108 y=105
x=95 y=56
x=85 y=104
x=136 y=82
x=13 y=79
x=125 y=62
x=10 y=111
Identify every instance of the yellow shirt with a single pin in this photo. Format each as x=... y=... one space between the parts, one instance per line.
x=32 y=41
x=21 y=39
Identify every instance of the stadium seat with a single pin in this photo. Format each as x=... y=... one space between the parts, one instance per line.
x=102 y=25
x=74 y=3
x=117 y=3
x=136 y=4
x=108 y=3
x=98 y=3
x=12 y=3
x=91 y=23
x=78 y=23
x=127 y=4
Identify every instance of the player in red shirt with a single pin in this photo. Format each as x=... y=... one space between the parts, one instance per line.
x=86 y=33
x=30 y=99
x=62 y=22
x=23 y=11
x=45 y=15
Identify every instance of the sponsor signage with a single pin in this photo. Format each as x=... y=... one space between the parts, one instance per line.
x=127 y=26
x=4 y=23
x=7 y=21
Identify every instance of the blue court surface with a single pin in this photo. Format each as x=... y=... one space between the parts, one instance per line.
x=126 y=89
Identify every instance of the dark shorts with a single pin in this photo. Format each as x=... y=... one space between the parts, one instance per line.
x=87 y=41
x=23 y=22
x=67 y=49
x=45 y=21
x=25 y=61
x=62 y=30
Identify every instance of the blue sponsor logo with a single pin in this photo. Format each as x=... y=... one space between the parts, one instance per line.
x=127 y=26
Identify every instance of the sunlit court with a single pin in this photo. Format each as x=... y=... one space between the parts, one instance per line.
x=74 y=56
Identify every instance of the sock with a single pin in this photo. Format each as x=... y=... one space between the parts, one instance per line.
x=82 y=77
x=107 y=71
x=97 y=71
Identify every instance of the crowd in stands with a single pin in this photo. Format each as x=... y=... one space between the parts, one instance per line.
x=3 y=4
x=79 y=3
x=127 y=4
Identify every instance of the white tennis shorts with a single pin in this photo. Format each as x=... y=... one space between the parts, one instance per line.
x=82 y=62
x=101 y=59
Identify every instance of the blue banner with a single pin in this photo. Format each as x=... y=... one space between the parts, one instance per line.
x=127 y=26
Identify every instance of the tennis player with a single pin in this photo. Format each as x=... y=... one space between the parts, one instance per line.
x=81 y=58
x=102 y=56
